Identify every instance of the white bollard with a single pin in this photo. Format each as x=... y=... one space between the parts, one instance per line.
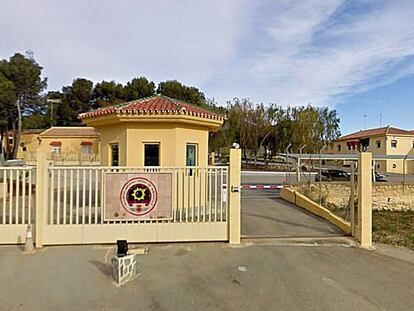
x=28 y=246
x=124 y=269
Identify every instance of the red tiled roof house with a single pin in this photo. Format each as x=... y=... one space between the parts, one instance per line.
x=154 y=131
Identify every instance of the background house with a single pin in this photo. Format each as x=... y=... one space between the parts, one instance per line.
x=64 y=145
x=384 y=140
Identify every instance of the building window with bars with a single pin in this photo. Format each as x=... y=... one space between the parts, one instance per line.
x=394 y=143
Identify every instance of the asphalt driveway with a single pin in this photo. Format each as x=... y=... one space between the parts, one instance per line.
x=265 y=214
x=211 y=276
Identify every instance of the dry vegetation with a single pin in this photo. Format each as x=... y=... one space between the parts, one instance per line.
x=395 y=228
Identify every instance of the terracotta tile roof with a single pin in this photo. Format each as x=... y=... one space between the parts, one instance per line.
x=381 y=131
x=79 y=131
x=156 y=105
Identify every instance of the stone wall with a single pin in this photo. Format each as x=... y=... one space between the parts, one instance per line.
x=390 y=197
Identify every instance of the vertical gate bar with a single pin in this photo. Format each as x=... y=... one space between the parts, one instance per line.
x=77 y=197
x=215 y=194
x=102 y=196
x=65 y=195
x=209 y=195
x=96 y=196
x=11 y=198
x=173 y=193
x=221 y=194
x=58 y=197
x=52 y=193
x=226 y=211
x=205 y=194
x=4 y=195
x=179 y=198
x=71 y=197
x=90 y=197
x=24 y=196
x=185 y=197
x=199 y=193
x=16 y=220
x=83 y=195
x=29 y=208
x=192 y=196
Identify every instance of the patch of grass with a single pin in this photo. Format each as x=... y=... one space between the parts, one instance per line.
x=395 y=228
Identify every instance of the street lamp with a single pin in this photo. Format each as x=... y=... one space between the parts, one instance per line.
x=52 y=101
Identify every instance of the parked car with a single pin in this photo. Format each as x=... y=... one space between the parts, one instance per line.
x=333 y=175
x=341 y=175
x=379 y=177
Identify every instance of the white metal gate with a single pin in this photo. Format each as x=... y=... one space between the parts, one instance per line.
x=74 y=212
x=17 y=198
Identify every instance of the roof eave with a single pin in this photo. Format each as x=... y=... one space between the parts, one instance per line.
x=105 y=120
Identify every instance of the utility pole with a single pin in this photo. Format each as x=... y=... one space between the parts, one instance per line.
x=51 y=102
x=365 y=121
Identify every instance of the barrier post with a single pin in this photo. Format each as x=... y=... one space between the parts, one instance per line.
x=363 y=225
x=41 y=195
x=234 y=196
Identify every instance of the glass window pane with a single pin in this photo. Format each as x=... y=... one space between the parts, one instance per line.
x=152 y=157
x=191 y=155
x=114 y=155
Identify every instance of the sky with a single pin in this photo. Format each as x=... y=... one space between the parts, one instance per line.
x=353 y=56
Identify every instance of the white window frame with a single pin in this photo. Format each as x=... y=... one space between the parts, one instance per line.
x=56 y=149
x=87 y=148
x=196 y=152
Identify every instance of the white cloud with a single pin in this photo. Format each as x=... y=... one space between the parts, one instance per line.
x=316 y=51
x=271 y=51
x=185 y=40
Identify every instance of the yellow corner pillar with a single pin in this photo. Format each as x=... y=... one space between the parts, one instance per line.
x=363 y=225
x=234 y=196
x=42 y=177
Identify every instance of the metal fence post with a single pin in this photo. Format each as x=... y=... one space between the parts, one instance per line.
x=363 y=227
x=41 y=196
x=234 y=196
x=299 y=168
x=351 y=203
x=287 y=164
x=320 y=174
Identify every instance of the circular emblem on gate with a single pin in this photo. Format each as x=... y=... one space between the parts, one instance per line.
x=138 y=196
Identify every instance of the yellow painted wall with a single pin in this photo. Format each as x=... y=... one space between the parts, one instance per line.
x=70 y=145
x=192 y=135
x=30 y=141
x=172 y=138
x=110 y=135
x=404 y=147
